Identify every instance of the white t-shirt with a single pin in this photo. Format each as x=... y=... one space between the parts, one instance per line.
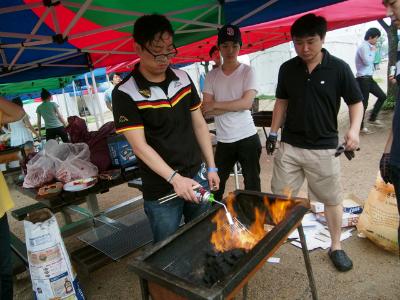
x=232 y=126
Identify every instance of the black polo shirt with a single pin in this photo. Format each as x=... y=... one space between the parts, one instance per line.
x=163 y=111
x=314 y=100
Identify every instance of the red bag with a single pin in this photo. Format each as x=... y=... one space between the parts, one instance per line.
x=96 y=140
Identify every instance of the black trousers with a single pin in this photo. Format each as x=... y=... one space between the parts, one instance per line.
x=395 y=176
x=368 y=85
x=247 y=152
x=53 y=133
x=6 y=268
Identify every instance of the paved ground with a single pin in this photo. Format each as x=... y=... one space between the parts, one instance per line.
x=376 y=273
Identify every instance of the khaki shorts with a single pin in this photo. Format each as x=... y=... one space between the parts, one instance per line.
x=320 y=167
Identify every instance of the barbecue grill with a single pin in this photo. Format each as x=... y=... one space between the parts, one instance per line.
x=176 y=267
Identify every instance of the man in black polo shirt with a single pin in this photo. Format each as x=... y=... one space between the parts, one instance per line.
x=390 y=160
x=157 y=109
x=308 y=93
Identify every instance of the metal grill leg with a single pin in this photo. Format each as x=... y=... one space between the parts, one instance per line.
x=144 y=289
x=236 y=175
x=307 y=263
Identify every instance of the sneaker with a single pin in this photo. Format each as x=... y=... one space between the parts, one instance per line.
x=365 y=130
x=340 y=260
x=376 y=123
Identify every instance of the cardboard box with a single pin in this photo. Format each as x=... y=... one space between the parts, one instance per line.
x=348 y=219
x=317 y=207
x=121 y=152
x=351 y=204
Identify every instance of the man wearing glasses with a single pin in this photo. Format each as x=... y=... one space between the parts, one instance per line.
x=157 y=109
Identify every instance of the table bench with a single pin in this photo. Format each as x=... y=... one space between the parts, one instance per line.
x=19 y=254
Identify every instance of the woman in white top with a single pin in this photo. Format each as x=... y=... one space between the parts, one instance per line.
x=21 y=130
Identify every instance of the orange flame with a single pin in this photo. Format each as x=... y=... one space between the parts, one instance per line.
x=277 y=208
x=227 y=237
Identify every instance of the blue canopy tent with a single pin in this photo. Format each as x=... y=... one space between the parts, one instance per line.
x=52 y=38
x=27 y=90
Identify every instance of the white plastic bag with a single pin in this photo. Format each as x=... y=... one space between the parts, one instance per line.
x=39 y=171
x=49 y=264
x=64 y=162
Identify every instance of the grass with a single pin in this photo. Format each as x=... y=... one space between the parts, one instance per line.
x=265 y=97
x=90 y=119
x=389 y=103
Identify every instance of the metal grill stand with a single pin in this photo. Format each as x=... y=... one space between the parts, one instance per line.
x=174 y=269
x=146 y=294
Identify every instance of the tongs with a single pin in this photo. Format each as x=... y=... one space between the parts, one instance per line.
x=342 y=149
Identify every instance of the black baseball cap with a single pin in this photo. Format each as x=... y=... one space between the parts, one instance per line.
x=229 y=33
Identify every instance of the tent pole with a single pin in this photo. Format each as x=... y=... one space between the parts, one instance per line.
x=82 y=99
x=76 y=18
x=253 y=12
x=92 y=101
x=20 y=7
x=96 y=94
x=76 y=99
x=116 y=48
x=34 y=31
x=65 y=102
x=200 y=16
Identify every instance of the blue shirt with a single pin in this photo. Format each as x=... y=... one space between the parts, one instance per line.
x=365 y=57
x=108 y=94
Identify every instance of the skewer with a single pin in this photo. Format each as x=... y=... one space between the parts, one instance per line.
x=173 y=195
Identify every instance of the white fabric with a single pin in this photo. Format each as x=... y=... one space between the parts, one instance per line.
x=19 y=133
x=232 y=126
x=156 y=93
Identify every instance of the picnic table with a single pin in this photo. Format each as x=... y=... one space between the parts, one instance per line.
x=11 y=154
x=67 y=202
x=94 y=220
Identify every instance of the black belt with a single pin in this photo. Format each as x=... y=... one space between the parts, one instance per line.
x=365 y=76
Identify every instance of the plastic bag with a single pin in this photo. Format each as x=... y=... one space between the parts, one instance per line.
x=64 y=162
x=71 y=161
x=379 y=220
x=49 y=264
x=39 y=170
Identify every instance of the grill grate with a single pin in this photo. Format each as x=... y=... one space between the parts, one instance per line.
x=117 y=241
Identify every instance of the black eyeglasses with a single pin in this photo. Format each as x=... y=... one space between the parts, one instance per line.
x=161 y=58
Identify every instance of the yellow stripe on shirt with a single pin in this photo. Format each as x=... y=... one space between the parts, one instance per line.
x=127 y=128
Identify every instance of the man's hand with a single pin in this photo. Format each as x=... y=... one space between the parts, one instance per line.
x=207 y=107
x=384 y=167
x=213 y=181
x=392 y=79
x=271 y=143
x=183 y=187
x=352 y=140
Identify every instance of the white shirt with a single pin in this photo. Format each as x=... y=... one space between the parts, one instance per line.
x=232 y=126
x=20 y=135
x=365 y=57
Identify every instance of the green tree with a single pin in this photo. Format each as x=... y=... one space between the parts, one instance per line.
x=393 y=40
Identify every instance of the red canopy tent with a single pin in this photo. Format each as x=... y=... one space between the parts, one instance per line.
x=265 y=35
